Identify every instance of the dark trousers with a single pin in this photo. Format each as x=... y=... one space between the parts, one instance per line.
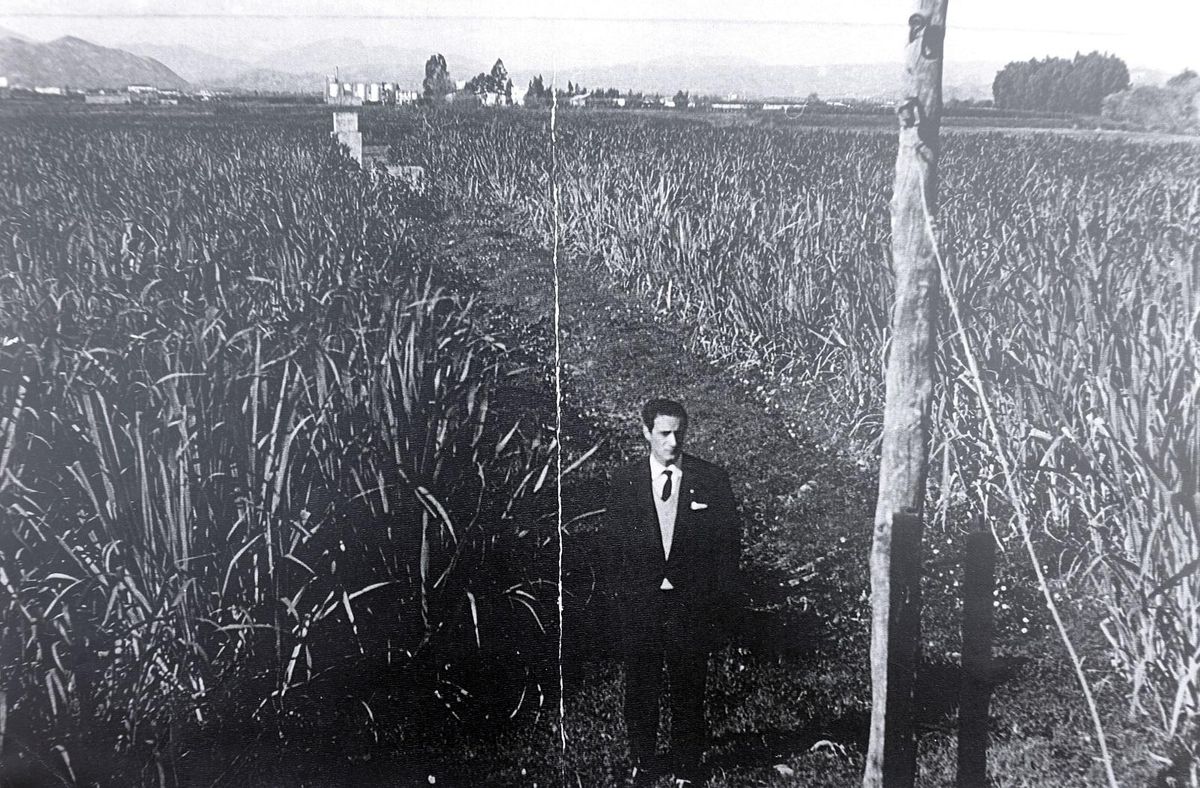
x=686 y=670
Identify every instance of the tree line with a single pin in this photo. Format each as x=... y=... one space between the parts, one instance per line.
x=1051 y=84
x=1060 y=85
x=438 y=83
x=1170 y=108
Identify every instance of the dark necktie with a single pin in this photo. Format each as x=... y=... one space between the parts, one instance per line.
x=666 y=491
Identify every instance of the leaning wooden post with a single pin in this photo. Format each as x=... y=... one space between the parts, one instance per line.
x=895 y=550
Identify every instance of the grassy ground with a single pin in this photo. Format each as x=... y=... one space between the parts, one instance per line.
x=788 y=697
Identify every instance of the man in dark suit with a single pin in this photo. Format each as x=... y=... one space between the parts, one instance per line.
x=673 y=542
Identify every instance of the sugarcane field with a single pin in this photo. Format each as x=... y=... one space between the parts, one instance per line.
x=703 y=431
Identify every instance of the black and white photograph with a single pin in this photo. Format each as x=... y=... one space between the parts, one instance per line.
x=599 y=395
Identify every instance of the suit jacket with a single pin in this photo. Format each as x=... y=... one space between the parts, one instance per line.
x=702 y=566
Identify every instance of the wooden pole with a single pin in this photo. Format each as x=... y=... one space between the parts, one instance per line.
x=895 y=549
x=979 y=581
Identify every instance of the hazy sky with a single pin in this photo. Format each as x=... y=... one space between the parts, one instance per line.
x=1160 y=34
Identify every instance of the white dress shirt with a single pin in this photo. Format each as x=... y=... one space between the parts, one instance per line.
x=667 y=509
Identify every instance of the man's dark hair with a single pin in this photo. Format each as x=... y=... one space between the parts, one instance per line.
x=663 y=407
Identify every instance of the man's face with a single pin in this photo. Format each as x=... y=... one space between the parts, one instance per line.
x=665 y=439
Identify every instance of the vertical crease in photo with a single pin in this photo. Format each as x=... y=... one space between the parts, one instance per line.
x=562 y=714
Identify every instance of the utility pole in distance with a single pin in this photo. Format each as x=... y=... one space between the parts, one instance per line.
x=896 y=542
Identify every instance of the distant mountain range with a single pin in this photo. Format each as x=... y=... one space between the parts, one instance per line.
x=357 y=60
x=194 y=65
x=205 y=70
x=303 y=68
x=6 y=33
x=73 y=62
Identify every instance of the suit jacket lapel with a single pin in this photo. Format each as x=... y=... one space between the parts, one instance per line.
x=683 y=514
x=645 y=496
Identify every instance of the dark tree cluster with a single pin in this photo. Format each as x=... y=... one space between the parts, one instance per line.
x=497 y=81
x=1182 y=79
x=1056 y=84
x=538 y=94
x=1171 y=108
x=437 y=83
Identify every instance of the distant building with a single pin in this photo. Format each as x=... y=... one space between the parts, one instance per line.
x=390 y=94
x=50 y=91
x=340 y=93
x=106 y=98
x=357 y=94
x=656 y=102
x=142 y=94
x=729 y=106
x=604 y=101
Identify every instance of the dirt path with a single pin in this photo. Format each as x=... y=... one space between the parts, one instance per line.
x=788 y=698
x=806 y=520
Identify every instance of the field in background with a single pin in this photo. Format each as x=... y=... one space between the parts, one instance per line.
x=255 y=449
x=1073 y=265
x=250 y=457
